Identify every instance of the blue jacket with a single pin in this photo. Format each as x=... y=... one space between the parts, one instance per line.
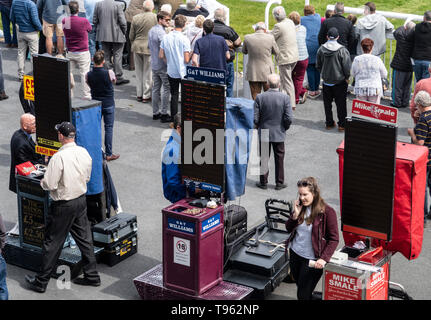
x=312 y=24
x=24 y=14
x=173 y=188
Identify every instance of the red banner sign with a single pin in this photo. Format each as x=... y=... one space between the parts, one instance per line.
x=374 y=111
x=342 y=287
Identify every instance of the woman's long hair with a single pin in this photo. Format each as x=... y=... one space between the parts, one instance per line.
x=318 y=204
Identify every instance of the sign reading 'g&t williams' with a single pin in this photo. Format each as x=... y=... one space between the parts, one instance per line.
x=206 y=74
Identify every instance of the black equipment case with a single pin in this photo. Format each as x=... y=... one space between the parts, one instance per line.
x=257 y=258
x=120 y=250
x=235 y=223
x=113 y=229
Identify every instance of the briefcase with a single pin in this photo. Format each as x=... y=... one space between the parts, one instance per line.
x=114 y=228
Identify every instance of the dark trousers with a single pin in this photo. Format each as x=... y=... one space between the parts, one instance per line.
x=108 y=114
x=114 y=57
x=401 y=88
x=313 y=76
x=265 y=153
x=174 y=84
x=306 y=278
x=67 y=216
x=337 y=93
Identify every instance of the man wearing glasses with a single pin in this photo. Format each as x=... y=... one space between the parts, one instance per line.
x=160 y=100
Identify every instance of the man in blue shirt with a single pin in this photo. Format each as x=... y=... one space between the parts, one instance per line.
x=24 y=14
x=159 y=100
x=211 y=51
x=175 y=49
x=173 y=188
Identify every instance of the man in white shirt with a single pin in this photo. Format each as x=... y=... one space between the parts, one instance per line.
x=66 y=178
x=175 y=50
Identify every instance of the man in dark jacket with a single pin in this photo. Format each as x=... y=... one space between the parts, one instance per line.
x=272 y=116
x=344 y=27
x=401 y=65
x=333 y=63
x=22 y=147
x=422 y=47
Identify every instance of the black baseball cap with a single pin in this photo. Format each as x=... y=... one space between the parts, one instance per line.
x=66 y=129
x=333 y=33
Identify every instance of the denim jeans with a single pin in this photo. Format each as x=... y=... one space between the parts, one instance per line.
x=421 y=69
x=313 y=76
x=160 y=97
x=108 y=114
x=4 y=294
x=92 y=42
x=230 y=78
x=5 y=19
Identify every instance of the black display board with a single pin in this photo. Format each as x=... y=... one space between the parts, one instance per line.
x=203 y=119
x=33 y=221
x=368 y=178
x=33 y=206
x=52 y=100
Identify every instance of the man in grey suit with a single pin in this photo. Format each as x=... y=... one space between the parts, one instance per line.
x=260 y=46
x=111 y=27
x=272 y=116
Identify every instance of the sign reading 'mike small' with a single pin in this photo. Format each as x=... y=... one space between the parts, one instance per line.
x=375 y=111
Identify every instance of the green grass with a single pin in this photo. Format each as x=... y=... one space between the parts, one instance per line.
x=245 y=13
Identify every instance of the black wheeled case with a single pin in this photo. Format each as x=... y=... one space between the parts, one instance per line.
x=234 y=214
x=120 y=250
x=113 y=229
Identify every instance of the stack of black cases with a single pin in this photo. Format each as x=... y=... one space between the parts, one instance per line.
x=118 y=236
x=235 y=222
x=257 y=258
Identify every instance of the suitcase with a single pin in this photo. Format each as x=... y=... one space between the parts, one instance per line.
x=114 y=228
x=235 y=222
x=120 y=250
x=234 y=214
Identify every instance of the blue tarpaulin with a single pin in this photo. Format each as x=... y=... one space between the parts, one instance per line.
x=86 y=116
x=238 y=139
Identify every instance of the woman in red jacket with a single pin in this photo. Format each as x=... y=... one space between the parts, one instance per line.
x=313 y=237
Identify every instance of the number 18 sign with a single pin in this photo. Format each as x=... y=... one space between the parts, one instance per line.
x=28 y=88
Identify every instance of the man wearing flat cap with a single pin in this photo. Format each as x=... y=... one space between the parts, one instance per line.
x=66 y=179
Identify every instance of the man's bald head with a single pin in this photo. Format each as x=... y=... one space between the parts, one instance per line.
x=28 y=123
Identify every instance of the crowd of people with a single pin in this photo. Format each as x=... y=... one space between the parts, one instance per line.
x=331 y=51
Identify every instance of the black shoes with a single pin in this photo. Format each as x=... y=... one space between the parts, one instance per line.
x=157 y=116
x=261 y=185
x=280 y=186
x=34 y=285
x=3 y=95
x=165 y=118
x=86 y=282
x=121 y=81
